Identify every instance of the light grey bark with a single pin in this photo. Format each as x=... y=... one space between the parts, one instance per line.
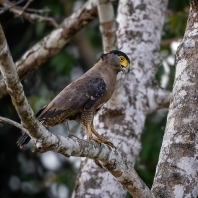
x=15 y=90
x=108 y=25
x=122 y=119
x=176 y=173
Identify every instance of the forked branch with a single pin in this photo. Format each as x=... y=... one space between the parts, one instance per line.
x=11 y=122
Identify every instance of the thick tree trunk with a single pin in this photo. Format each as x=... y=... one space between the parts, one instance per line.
x=122 y=119
x=177 y=169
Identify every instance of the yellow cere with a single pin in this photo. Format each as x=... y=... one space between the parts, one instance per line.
x=123 y=61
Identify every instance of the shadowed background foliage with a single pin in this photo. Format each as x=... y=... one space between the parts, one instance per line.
x=25 y=174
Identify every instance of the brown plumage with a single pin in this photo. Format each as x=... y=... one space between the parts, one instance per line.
x=81 y=99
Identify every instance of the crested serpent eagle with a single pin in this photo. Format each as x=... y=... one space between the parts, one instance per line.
x=81 y=99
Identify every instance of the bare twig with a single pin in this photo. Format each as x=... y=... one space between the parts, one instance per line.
x=26 y=5
x=9 y=7
x=11 y=122
x=30 y=17
x=35 y=17
x=41 y=11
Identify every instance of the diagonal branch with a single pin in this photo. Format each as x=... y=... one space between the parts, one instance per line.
x=4 y=9
x=52 y=43
x=109 y=158
x=26 y=5
x=158 y=98
x=11 y=122
x=15 y=88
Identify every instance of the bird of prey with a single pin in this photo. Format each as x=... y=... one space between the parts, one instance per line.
x=81 y=99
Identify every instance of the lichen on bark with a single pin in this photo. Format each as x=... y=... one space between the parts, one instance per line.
x=176 y=174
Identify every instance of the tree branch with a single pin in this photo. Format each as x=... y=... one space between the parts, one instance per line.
x=109 y=158
x=158 y=98
x=15 y=89
x=108 y=25
x=119 y=168
x=11 y=122
x=51 y=44
x=4 y=9
x=27 y=4
x=30 y=17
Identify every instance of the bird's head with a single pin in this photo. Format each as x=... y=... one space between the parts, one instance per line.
x=122 y=58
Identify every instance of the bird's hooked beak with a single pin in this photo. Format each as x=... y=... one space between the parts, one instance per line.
x=126 y=69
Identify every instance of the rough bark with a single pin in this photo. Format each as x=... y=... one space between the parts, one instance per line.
x=109 y=158
x=123 y=117
x=15 y=90
x=176 y=174
x=51 y=44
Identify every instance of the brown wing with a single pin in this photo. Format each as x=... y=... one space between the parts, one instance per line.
x=79 y=94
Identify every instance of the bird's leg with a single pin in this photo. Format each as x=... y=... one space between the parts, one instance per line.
x=68 y=131
x=100 y=137
x=96 y=133
x=89 y=133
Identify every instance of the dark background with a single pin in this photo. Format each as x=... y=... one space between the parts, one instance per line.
x=25 y=174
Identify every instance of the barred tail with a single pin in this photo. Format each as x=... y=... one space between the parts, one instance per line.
x=23 y=140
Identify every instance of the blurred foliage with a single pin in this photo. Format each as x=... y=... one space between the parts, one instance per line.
x=23 y=173
x=177 y=15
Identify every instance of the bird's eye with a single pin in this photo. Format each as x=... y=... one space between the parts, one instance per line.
x=121 y=58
